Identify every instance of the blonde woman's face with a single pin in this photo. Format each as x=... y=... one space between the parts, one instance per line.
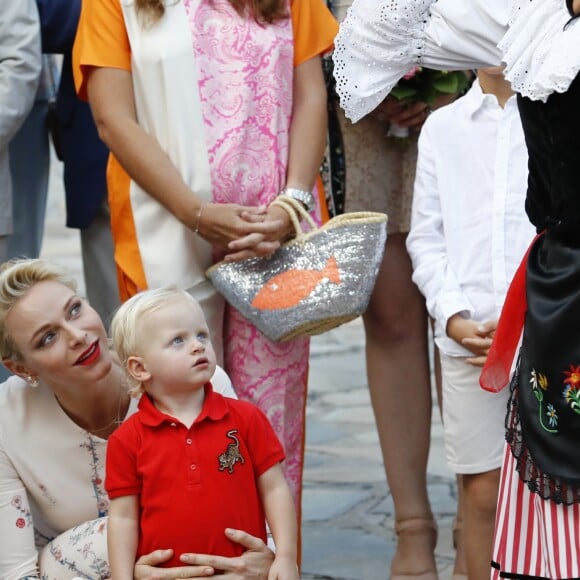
x=61 y=339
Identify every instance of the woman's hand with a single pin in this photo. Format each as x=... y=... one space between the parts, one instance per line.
x=411 y=116
x=259 y=243
x=146 y=568
x=221 y=224
x=253 y=564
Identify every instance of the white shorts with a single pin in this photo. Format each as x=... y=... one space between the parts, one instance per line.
x=473 y=419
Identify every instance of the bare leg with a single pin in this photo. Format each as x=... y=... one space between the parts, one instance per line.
x=399 y=382
x=459 y=567
x=479 y=506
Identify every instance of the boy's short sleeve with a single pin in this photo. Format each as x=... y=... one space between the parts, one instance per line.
x=101 y=41
x=314 y=29
x=262 y=442
x=121 y=477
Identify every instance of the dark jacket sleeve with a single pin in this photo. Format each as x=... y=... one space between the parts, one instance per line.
x=84 y=154
x=58 y=23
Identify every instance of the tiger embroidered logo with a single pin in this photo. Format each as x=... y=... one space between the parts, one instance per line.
x=232 y=454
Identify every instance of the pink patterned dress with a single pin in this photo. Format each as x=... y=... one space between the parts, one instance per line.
x=245 y=76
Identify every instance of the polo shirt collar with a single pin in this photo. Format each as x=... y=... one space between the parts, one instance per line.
x=214 y=408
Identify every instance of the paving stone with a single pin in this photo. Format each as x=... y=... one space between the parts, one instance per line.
x=320 y=431
x=347 y=449
x=351 y=415
x=353 y=471
x=320 y=504
x=344 y=554
x=351 y=398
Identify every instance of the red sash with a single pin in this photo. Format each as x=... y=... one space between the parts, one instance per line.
x=496 y=372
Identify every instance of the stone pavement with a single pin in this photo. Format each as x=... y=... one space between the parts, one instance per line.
x=347 y=509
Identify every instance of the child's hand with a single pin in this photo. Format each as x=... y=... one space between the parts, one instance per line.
x=284 y=568
x=480 y=345
x=474 y=336
x=488 y=328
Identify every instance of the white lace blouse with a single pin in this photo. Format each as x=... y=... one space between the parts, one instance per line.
x=381 y=40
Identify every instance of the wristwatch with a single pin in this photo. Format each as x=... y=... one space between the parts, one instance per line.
x=300 y=195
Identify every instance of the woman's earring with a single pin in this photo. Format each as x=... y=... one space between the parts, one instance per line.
x=32 y=381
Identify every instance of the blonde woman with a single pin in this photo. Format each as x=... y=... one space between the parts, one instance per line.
x=67 y=396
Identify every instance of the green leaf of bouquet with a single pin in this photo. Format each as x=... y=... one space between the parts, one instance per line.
x=429 y=94
x=404 y=93
x=446 y=84
x=462 y=82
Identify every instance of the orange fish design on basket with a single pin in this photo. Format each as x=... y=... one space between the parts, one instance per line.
x=291 y=287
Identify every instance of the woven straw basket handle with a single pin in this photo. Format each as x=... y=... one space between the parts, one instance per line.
x=294 y=208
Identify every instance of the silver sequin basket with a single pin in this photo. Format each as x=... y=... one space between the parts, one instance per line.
x=315 y=282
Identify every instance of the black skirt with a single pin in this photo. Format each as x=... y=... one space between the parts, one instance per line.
x=543 y=422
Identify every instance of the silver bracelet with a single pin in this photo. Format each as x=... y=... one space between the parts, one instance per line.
x=300 y=195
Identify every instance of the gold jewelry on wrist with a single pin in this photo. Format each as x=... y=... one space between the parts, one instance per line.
x=198 y=220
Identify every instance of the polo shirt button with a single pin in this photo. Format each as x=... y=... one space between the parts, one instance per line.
x=189 y=441
x=193 y=467
x=173 y=424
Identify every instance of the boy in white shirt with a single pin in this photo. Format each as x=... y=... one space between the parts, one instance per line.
x=468 y=234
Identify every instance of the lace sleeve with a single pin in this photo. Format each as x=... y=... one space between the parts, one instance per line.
x=378 y=42
x=381 y=40
x=541 y=49
x=18 y=557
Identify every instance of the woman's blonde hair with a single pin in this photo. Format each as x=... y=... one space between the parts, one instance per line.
x=262 y=11
x=125 y=333
x=17 y=277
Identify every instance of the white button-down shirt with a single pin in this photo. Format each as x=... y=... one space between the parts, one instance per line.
x=469 y=229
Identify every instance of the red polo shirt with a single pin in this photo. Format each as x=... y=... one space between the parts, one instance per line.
x=193 y=483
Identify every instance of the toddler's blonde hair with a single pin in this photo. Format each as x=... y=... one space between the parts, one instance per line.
x=125 y=324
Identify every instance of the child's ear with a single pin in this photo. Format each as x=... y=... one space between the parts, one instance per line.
x=137 y=369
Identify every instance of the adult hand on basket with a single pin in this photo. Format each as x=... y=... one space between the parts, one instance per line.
x=259 y=244
x=243 y=230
